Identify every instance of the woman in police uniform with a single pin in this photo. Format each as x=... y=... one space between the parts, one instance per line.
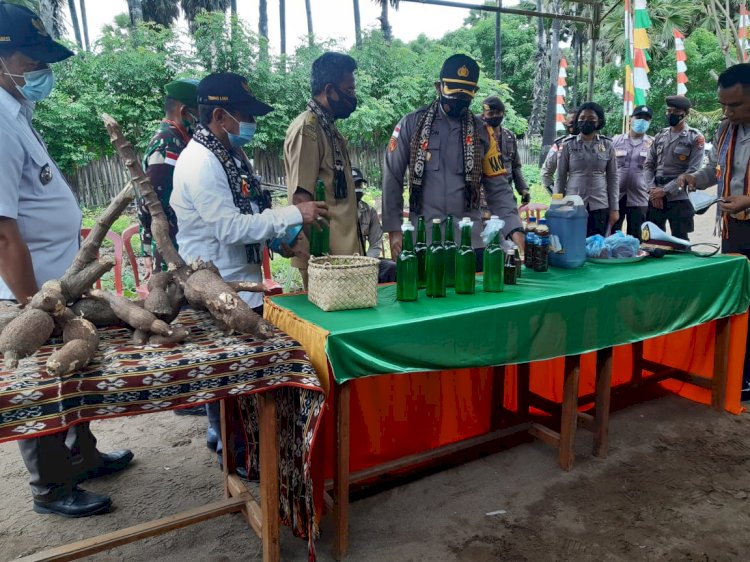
x=587 y=167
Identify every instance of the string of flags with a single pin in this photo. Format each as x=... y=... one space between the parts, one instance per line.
x=561 y=92
x=637 y=23
x=681 y=56
x=744 y=33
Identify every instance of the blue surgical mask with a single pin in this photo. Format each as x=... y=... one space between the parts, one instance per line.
x=245 y=135
x=640 y=126
x=39 y=83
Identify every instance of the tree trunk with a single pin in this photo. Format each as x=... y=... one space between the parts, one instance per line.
x=357 y=25
x=263 y=28
x=282 y=24
x=385 y=25
x=234 y=8
x=550 y=114
x=74 y=19
x=85 y=23
x=540 y=58
x=310 y=32
x=49 y=13
x=498 y=44
x=135 y=10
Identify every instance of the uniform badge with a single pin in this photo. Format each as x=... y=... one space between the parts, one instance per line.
x=428 y=156
x=682 y=157
x=245 y=188
x=392 y=144
x=45 y=174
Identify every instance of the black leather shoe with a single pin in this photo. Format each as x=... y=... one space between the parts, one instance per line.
x=111 y=463
x=240 y=470
x=79 y=503
x=194 y=411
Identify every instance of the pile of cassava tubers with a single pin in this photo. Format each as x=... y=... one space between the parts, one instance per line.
x=71 y=308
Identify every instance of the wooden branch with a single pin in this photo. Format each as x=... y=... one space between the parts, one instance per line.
x=246 y=286
x=159 y=223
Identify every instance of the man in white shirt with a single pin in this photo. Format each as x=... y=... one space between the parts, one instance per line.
x=223 y=215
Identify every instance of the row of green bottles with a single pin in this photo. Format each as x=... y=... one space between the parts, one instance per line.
x=420 y=249
x=435 y=263
x=320 y=234
x=465 y=261
x=494 y=266
x=406 y=267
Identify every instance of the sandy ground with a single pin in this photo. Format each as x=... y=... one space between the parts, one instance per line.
x=674 y=487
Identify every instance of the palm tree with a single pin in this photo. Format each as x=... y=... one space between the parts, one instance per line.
x=310 y=33
x=74 y=19
x=263 y=28
x=234 y=8
x=50 y=12
x=85 y=24
x=135 y=9
x=498 y=44
x=192 y=8
x=357 y=25
x=540 y=60
x=163 y=12
x=554 y=63
x=385 y=25
x=282 y=25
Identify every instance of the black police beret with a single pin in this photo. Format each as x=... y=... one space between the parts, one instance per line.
x=21 y=30
x=678 y=102
x=643 y=110
x=460 y=73
x=231 y=91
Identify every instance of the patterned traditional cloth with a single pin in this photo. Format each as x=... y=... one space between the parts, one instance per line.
x=340 y=188
x=245 y=187
x=159 y=160
x=726 y=147
x=127 y=380
x=418 y=156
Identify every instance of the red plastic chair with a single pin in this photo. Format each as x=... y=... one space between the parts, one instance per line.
x=117 y=243
x=127 y=241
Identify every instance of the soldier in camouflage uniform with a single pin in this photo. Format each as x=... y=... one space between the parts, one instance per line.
x=170 y=139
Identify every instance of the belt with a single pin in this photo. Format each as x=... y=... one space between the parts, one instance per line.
x=663 y=180
x=742 y=216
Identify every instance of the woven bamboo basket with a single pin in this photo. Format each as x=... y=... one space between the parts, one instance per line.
x=342 y=282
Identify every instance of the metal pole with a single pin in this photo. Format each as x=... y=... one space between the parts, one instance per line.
x=531 y=13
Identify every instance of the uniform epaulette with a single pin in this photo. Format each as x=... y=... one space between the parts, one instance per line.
x=568 y=138
x=559 y=140
x=605 y=137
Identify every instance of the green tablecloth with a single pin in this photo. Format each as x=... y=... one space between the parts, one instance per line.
x=547 y=315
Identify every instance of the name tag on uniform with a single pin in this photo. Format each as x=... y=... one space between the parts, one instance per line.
x=644 y=153
x=621 y=152
x=45 y=174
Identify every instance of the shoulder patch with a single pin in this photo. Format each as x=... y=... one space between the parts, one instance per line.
x=700 y=141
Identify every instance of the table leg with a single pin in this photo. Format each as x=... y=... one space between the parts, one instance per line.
x=498 y=397
x=228 y=458
x=721 y=365
x=569 y=416
x=523 y=381
x=637 y=376
x=603 y=385
x=269 y=476
x=341 y=471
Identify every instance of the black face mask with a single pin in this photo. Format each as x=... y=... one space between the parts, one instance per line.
x=586 y=127
x=493 y=121
x=674 y=120
x=454 y=107
x=345 y=106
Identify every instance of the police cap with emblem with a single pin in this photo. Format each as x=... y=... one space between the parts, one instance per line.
x=493 y=103
x=678 y=102
x=643 y=110
x=230 y=91
x=460 y=75
x=21 y=30
x=358 y=178
x=184 y=90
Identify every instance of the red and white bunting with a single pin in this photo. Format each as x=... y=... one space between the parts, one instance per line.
x=744 y=33
x=561 y=92
x=681 y=56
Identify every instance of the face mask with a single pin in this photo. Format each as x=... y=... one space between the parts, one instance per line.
x=246 y=134
x=345 y=106
x=39 y=83
x=189 y=124
x=587 y=127
x=454 y=107
x=493 y=121
x=640 y=126
x=674 y=120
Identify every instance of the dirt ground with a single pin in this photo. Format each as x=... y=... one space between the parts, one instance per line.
x=675 y=487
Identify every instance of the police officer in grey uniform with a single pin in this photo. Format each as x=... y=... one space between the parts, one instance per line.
x=442 y=145
x=677 y=149
x=631 y=150
x=550 y=162
x=493 y=114
x=587 y=167
x=39 y=236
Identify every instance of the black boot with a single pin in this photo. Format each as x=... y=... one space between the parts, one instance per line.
x=78 y=503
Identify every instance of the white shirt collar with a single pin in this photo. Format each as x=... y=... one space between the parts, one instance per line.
x=12 y=106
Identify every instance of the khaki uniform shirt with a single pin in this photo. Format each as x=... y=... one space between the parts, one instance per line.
x=308 y=156
x=589 y=169
x=508 y=145
x=707 y=176
x=550 y=162
x=631 y=156
x=372 y=231
x=671 y=155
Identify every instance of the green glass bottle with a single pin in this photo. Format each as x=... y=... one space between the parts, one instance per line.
x=494 y=265
x=406 y=267
x=466 y=261
x=319 y=233
x=420 y=249
x=435 y=263
x=450 y=253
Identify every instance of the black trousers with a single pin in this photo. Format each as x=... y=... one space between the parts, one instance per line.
x=636 y=217
x=679 y=214
x=738 y=242
x=597 y=222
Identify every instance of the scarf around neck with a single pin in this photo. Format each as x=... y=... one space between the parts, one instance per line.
x=243 y=184
x=418 y=156
x=340 y=189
